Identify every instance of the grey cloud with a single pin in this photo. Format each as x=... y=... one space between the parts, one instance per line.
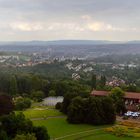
x=108 y=16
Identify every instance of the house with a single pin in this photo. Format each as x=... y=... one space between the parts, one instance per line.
x=131 y=99
x=75 y=76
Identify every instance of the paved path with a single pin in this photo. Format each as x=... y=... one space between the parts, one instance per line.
x=45 y=118
x=78 y=133
x=131 y=120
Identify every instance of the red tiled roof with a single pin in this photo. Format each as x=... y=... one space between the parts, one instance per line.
x=128 y=95
x=132 y=95
x=99 y=93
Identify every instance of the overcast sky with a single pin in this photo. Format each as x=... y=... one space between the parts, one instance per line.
x=69 y=19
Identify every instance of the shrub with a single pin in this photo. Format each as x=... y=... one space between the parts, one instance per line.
x=17 y=124
x=52 y=93
x=25 y=137
x=124 y=131
x=22 y=103
x=129 y=124
x=37 y=96
x=125 y=117
x=58 y=106
x=3 y=135
x=41 y=133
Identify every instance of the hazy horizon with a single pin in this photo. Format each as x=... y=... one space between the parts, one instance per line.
x=33 y=40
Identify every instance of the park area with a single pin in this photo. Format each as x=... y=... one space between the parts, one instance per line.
x=59 y=129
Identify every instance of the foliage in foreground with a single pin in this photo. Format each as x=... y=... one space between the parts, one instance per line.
x=6 y=104
x=14 y=125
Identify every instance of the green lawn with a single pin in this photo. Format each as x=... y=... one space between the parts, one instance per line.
x=41 y=112
x=59 y=127
x=98 y=135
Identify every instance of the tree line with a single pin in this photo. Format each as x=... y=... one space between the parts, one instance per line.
x=93 y=110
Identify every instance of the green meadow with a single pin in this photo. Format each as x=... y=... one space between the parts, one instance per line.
x=59 y=129
x=41 y=113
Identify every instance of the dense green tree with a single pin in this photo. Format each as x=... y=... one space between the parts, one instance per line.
x=3 y=135
x=58 y=106
x=93 y=81
x=4 y=84
x=92 y=110
x=108 y=109
x=37 y=95
x=36 y=83
x=52 y=93
x=14 y=124
x=6 y=104
x=13 y=90
x=131 y=88
x=117 y=94
x=41 y=133
x=17 y=124
x=67 y=100
x=68 y=86
x=22 y=103
x=76 y=112
x=24 y=83
x=103 y=81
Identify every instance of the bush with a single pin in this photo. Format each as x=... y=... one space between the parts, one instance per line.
x=41 y=133
x=25 y=137
x=129 y=124
x=3 y=135
x=13 y=124
x=52 y=93
x=124 y=131
x=58 y=106
x=22 y=103
x=37 y=96
x=125 y=117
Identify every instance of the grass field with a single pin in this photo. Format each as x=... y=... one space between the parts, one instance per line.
x=60 y=129
x=97 y=135
x=41 y=112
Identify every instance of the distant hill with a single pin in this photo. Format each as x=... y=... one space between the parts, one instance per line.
x=79 y=48
x=61 y=42
x=67 y=42
x=134 y=42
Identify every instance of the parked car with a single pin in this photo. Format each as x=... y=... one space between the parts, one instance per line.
x=133 y=114
x=129 y=113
